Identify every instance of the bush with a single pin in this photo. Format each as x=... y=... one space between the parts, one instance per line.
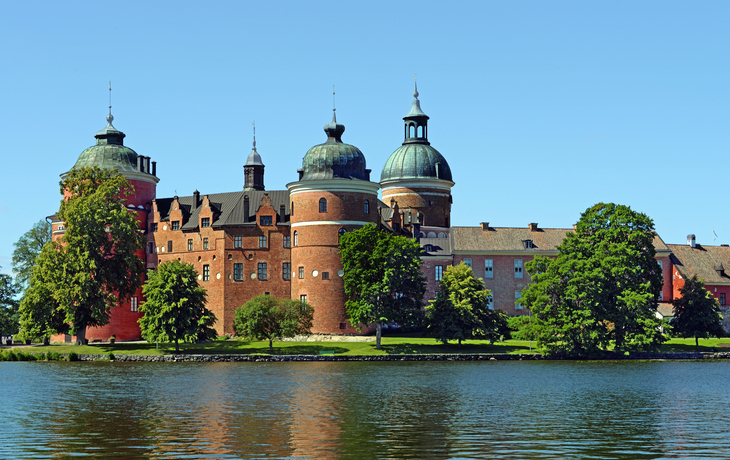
x=53 y=356
x=111 y=356
x=72 y=357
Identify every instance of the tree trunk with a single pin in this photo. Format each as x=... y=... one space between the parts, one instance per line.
x=271 y=346
x=378 y=334
x=697 y=344
x=80 y=336
x=459 y=343
x=177 y=346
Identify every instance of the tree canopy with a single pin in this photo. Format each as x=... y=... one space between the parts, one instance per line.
x=8 y=306
x=94 y=266
x=27 y=250
x=601 y=290
x=696 y=312
x=383 y=278
x=175 y=307
x=460 y=310
x=267 y=318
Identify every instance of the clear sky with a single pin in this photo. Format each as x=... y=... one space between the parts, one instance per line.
x=542 y=109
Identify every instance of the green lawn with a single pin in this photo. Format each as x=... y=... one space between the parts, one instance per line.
x=391 y=345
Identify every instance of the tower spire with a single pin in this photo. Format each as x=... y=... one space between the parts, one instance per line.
x=110 y=117
x=254 y=135
x=334 y=106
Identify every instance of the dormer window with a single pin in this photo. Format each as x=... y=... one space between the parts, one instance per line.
x=528 y=244
x=205 y=222
x=265 y=220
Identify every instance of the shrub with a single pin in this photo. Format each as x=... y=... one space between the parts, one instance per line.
x=111 y=356
x=53 y=356
x=72 y=356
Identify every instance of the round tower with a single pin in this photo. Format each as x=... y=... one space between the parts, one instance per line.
x=416 y=175
x=111 y=153
x=333 y=195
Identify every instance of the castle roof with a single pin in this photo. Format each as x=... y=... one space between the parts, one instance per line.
x=334 y=159
x=707 y=262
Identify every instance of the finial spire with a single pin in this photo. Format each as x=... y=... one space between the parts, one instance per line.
x=334 y=106
x=110 y=117
x=415 y=84
x=254 y=134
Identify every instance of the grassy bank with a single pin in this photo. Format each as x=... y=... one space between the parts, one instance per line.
x=391 y=345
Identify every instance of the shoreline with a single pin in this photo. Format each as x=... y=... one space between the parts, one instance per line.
x=184 y=357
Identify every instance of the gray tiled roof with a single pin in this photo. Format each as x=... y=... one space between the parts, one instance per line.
x=228 y=206
x=438 y=246
x=701 y=261
x=506 y=238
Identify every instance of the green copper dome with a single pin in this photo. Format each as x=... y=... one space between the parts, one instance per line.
x=416 y=161
x=109 y=151
x=334 y=159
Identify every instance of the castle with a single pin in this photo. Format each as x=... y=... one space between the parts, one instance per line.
x=284 y=242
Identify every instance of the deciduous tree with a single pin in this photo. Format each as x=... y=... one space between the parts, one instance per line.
x=94 y=266
x=460 y=310
x=267 y=318
x=602 y=289
x=696 y=312
x=27 y=250
x=8 y=306
x=383 y=278
x=174 y=310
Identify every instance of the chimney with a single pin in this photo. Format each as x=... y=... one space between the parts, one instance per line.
x=154 y=168
x=196 y=200
x=485 y=226
x=147 y=164
x=533 y=227
x=246 y=209
x=139 y=163
x=691 y=240
x=282 y=214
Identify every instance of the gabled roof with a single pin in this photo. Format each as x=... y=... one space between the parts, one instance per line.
x=436 y=246
x=702 y=261
x=475 y=239
x=228 y=206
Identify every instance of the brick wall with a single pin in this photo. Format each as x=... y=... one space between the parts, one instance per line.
x=433 y=203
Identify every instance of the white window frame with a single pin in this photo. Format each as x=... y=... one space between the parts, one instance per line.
x=489 y=269
x=438 y=272
x=468 y=262
x=518 y=269
x=518 y=296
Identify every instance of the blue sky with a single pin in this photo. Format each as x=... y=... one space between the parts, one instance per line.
x=542 y=109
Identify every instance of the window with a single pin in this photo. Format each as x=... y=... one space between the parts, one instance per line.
x=135 y=303
x=467 y=262
x=262 y=241
x=296 y=239
x=205 y=243
x=303 y=298
x=366 y=207
x=528 y=244
x=238 y=271
x=396 y=227
x=341 y=232
x=262 y=270
x=301 y=273
x=286 y=271
x=518 y=268
x=322 y=205
x=287 y=241
x=722 y=299
x=439 y=272
x=205 y=222
x=325 y=275
x=488 y=269
x=661 y=296
x=150 y=248
x=429 y=248
x=153 y=227
x=660 y=264
x=176 y=225
x=206 y=272
x=490 y=300
x=518 y=295
x=60 y=227
x=190 y=245
x=237 y=241
x=265 y=220
x=169 y=246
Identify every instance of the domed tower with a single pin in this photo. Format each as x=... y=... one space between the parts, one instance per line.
x=333 y=195
x=417 y=176
x=111 y=153
x=253 y=170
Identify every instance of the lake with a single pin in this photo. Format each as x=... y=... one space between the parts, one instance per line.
x=365 y=410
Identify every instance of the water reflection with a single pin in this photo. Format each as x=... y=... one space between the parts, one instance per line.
x=622 y=410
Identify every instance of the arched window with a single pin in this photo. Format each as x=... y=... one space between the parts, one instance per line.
x=322 y=205
x=420 y=131
x=341 y=232
x=411 y=131
x=366 y=207
x=296 y=238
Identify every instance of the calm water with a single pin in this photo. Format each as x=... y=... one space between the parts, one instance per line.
x=510 y=410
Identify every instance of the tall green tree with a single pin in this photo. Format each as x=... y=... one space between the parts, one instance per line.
x=696 y=312
x=267 y=318
x=8 y=306
x=40 y=313
x=602 y=289
x=383 y=278
x=94 y=266
x=27 y=250
x=175 y=307
x=460 y=310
